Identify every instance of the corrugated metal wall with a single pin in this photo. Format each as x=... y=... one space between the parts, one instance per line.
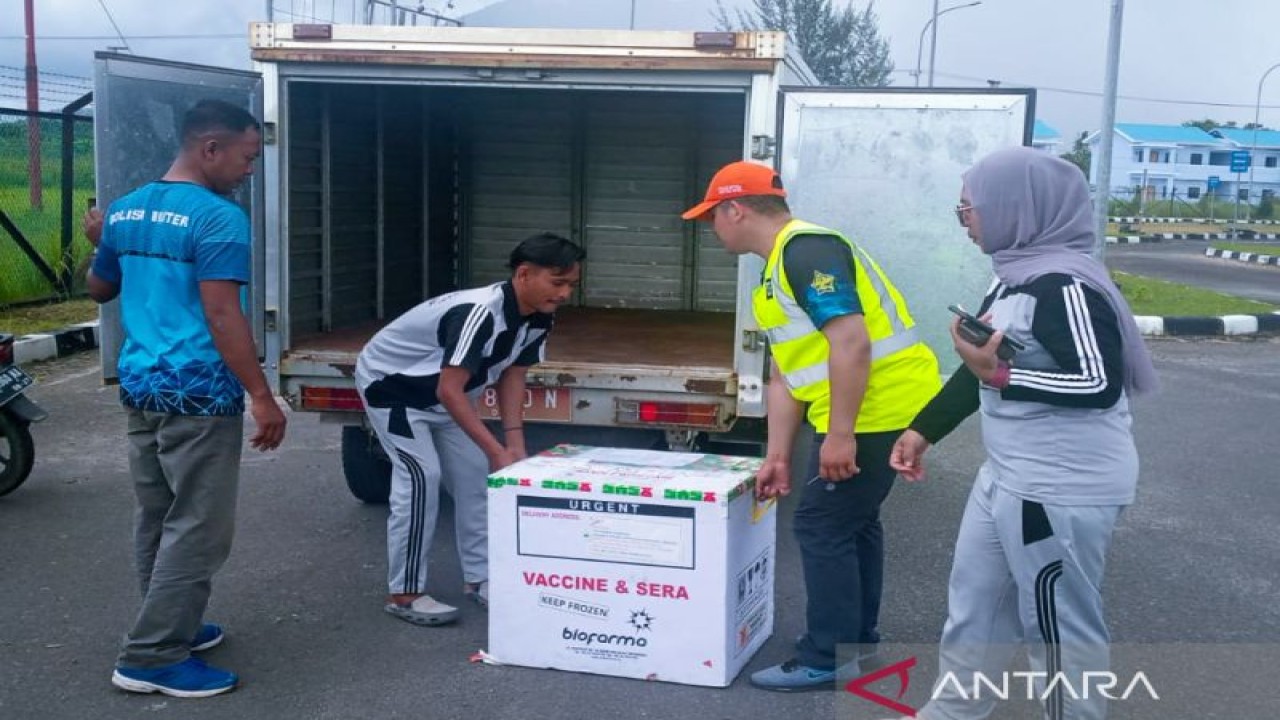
x=518 y=161
x=353 y=205
x=637 y=160
x=720 y=127
x=338 y=180
x=306 y=212
x=404 y=173
x=612 y=171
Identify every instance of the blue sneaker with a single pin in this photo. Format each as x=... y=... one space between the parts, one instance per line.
x=210 y=635
x=791 y=676
x=191 y=678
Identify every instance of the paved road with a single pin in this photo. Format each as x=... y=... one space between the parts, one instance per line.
x=1193 y=562
x=1184 y=261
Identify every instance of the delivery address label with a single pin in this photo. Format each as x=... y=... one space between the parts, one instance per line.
x=606 y=531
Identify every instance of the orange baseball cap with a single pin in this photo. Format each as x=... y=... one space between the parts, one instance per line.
x=735 y=180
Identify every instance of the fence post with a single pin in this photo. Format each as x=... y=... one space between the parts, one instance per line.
x=65 y=279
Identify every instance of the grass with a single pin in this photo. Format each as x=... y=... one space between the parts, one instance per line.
x=43 y=318
x=19 y=279
x=1256 y=248
x=1148 y=296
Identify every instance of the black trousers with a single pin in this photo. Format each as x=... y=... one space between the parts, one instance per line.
x=842 y=548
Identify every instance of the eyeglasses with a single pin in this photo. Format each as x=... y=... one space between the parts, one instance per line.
x=960 y=211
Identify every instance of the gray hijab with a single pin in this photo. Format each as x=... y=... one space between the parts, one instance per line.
x=1035 y=218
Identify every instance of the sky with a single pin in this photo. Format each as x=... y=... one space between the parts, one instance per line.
x=1180 y=59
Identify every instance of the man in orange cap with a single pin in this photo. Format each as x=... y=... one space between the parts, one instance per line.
x=846 y=357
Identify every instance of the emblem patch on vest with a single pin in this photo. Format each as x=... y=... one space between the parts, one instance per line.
x=768 y=288
x=823 y=283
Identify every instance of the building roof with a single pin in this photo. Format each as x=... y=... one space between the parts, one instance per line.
x=1244 y=138
x=1142 y=133
x=1043 y=131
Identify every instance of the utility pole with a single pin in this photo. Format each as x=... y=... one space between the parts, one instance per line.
x=35 y=182
x=1102 y=194
x=933 y=42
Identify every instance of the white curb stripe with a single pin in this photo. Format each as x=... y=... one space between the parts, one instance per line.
x=1150 y=324
x=1239 y=324
x=34 y=347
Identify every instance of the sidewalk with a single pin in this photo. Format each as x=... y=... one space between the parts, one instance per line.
x=84 y=336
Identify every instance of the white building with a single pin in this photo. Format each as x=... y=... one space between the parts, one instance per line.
x=1185 y=163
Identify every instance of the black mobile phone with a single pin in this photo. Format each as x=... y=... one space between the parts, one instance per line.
x=93 y=203
x=978 y=333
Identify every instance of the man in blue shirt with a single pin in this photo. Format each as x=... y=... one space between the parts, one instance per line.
x=177 y=254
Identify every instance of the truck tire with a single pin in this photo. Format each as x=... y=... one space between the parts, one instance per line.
x=17 y=452
x=366 y=468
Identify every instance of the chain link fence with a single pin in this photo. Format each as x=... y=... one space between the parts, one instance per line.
x=46 y=181
x=1177 y=203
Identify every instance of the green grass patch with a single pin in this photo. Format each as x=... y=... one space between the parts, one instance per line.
x=1258 y=248
x=41 y=223
x=1149 y=296
x=43 y=318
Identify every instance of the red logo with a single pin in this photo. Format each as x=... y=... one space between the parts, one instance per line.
x=858 y=686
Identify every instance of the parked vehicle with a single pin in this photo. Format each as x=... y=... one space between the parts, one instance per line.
x=404 y=162
x=17 y=412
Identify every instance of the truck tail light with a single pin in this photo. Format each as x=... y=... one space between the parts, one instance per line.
x=650 y=412
x=331 y=398
x=6 y=349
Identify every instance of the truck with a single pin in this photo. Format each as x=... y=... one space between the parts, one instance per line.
x=403 y=162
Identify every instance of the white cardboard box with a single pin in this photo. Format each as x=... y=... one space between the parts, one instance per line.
x=634 y=563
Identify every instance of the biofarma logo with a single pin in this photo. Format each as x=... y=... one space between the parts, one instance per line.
x=1023 y=684
x=598 y=638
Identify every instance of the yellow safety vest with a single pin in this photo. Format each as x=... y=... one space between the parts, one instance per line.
x=904 y=372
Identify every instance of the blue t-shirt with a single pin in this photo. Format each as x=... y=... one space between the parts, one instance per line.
x=158 y=243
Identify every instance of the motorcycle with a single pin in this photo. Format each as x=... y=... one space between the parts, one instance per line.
x=17 y=412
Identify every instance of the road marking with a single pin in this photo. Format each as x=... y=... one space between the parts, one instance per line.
x=69 y=378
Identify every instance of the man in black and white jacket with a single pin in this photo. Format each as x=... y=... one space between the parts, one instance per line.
x=420 y=377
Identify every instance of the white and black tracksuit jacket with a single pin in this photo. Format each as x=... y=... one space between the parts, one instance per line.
x=1059 y=432
x=480 y=330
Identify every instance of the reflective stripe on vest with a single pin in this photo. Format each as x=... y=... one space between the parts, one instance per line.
x=799 y=325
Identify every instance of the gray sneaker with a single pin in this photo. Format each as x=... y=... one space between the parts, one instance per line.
x=791 y=676
x=424 y=610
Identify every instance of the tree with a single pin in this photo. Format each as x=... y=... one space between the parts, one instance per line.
x=1080 y=155
x=841 y=46
x=1209 y=125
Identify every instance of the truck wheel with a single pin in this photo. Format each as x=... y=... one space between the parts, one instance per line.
x=17 y=452
x=366 y=468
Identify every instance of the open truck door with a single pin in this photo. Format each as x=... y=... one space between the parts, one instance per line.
x=138 y=108
x=883 y=166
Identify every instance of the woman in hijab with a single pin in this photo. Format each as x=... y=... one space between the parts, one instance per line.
x=1061 y=463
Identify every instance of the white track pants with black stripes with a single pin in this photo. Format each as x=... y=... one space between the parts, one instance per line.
x=1025 y=575
x=438 y=453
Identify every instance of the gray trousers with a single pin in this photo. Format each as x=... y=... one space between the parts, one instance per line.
x=428 y=450
x=186 y=474
x=1025 y=575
